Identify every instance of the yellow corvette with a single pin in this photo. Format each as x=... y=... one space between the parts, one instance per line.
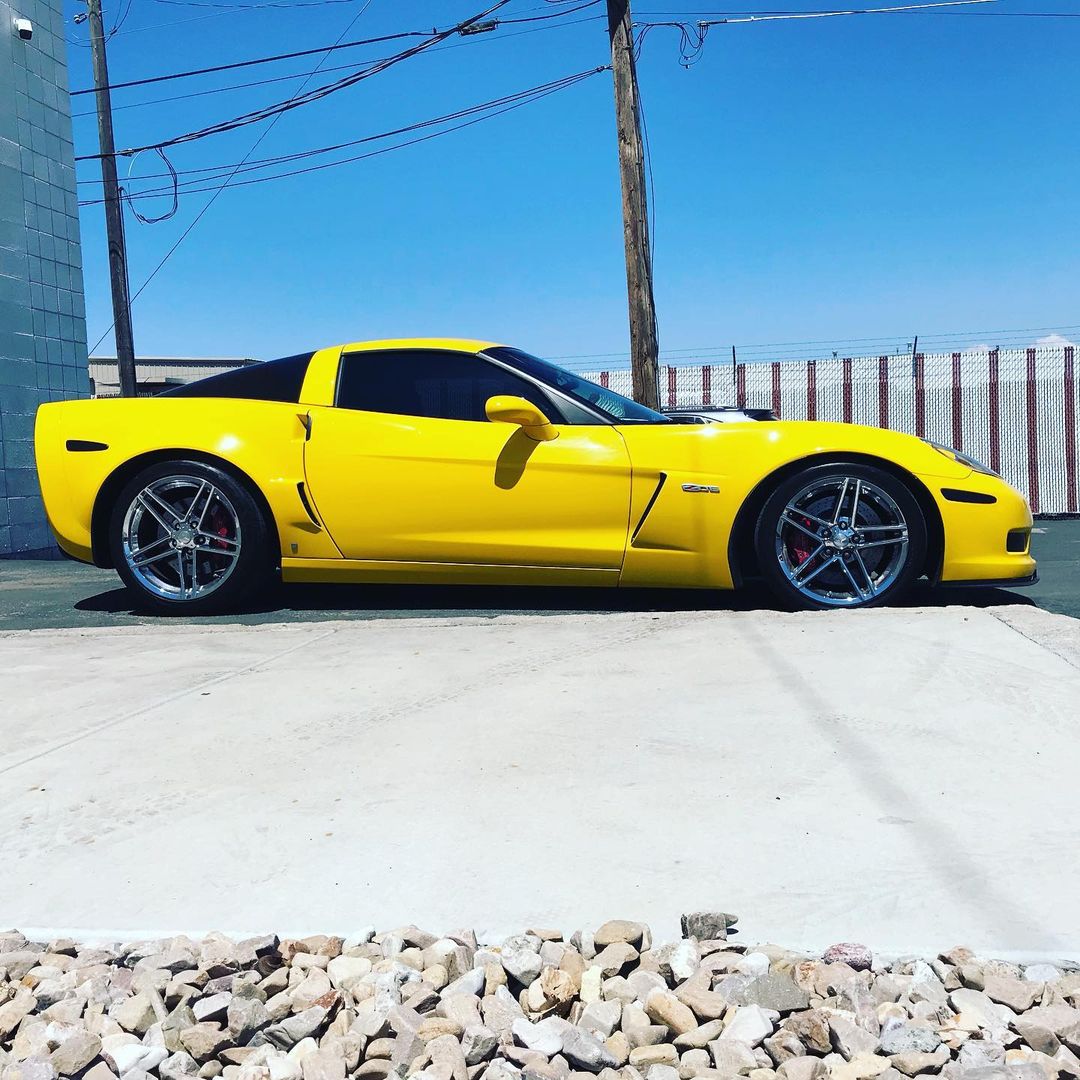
x=470 y=462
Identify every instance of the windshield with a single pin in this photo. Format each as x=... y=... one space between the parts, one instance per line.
x=618 y=408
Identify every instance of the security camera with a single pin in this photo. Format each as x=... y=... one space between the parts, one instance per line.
x=25 y=28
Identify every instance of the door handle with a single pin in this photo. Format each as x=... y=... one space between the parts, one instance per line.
x=306 y=420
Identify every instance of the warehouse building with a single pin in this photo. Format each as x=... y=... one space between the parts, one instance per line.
x=153 y=374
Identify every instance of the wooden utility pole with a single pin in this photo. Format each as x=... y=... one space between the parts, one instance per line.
x=643 y=342
x=114 y=210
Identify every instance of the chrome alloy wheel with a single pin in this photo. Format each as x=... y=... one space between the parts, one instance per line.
x=181 y=537
x=842 y=541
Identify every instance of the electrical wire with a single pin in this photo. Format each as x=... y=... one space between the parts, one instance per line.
x=307 y=97
x=688 y=13
x=195 y=72
x=468 y=43
x=257 y=60
x=472 y=115
x=217 y=193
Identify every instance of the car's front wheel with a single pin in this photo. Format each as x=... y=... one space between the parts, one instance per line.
x=841 y=535
x=188 y=538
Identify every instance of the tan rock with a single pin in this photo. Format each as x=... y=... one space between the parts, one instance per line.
x=641 y=1057
x=1018 y=994
x=802 y=1068
x=618 y=1046
x=616 y=930
x=915 y=1062
x=663 y=1007
x=699 y=1037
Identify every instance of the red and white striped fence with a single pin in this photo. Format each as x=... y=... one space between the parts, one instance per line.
x=1015 y=409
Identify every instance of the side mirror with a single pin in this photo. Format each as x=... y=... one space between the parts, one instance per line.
x=516 y=410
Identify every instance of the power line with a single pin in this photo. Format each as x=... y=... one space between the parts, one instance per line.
x=478 y=113
x=306 y=98
x=435 y=33
x=444 y=47
x=260 y=60
x=760 y=15
x=213 y=198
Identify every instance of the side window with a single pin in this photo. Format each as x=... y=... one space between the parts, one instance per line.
x=272 y=380
x=428 y=382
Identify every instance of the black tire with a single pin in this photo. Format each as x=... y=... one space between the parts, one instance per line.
x=232 y=520
x=864 y=563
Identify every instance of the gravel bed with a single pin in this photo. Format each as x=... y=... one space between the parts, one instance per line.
x=607 y=1002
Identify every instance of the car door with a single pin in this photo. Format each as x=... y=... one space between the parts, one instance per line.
x=405 y=467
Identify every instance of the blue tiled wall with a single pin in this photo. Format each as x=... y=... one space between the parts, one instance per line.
x=42 y=318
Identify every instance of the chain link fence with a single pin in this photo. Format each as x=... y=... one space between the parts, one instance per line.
x=1015 y=409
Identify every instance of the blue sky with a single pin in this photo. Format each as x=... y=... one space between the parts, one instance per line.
x=815 y=179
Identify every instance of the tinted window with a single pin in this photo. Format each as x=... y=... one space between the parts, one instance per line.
x=427 y=382
x=273 y=380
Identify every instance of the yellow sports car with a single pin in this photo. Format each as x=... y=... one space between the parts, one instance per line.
x=470 y=462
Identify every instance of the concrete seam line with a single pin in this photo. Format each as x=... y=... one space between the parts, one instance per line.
x=868 y=766
x=217 y=680
x=1034 y=640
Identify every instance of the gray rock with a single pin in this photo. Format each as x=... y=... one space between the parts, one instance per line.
x=601 y=1017
x=585 y=1050
x=707 y=925
x=981 y=1053
x=478 y=1043
x=288 y=1032
x=215 y=1007
x=776 y=992
x=898 y=1037
x=178 y=1066
x=523 y=964
x=245 y=1016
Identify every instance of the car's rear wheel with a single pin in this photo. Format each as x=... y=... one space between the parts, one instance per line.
x=841 y=535
x=187 y=538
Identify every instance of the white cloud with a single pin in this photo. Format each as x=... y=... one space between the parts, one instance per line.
x=1054 y=339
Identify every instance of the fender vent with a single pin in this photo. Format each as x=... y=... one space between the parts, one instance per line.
x=307 y=505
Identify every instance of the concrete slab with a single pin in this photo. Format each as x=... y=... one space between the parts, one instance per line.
x=902 y=777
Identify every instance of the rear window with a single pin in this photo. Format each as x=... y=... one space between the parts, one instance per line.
x=271 y=380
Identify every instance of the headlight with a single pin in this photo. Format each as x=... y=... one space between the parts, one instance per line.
x=962 y=458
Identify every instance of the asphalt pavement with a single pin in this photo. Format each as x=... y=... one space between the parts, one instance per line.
x=61 y=593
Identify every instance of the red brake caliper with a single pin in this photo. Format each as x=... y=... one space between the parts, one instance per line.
x=799 y=546
x=219 y=525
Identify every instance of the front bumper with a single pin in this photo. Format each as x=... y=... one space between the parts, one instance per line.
x=977 y=534
x=1000 y=583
